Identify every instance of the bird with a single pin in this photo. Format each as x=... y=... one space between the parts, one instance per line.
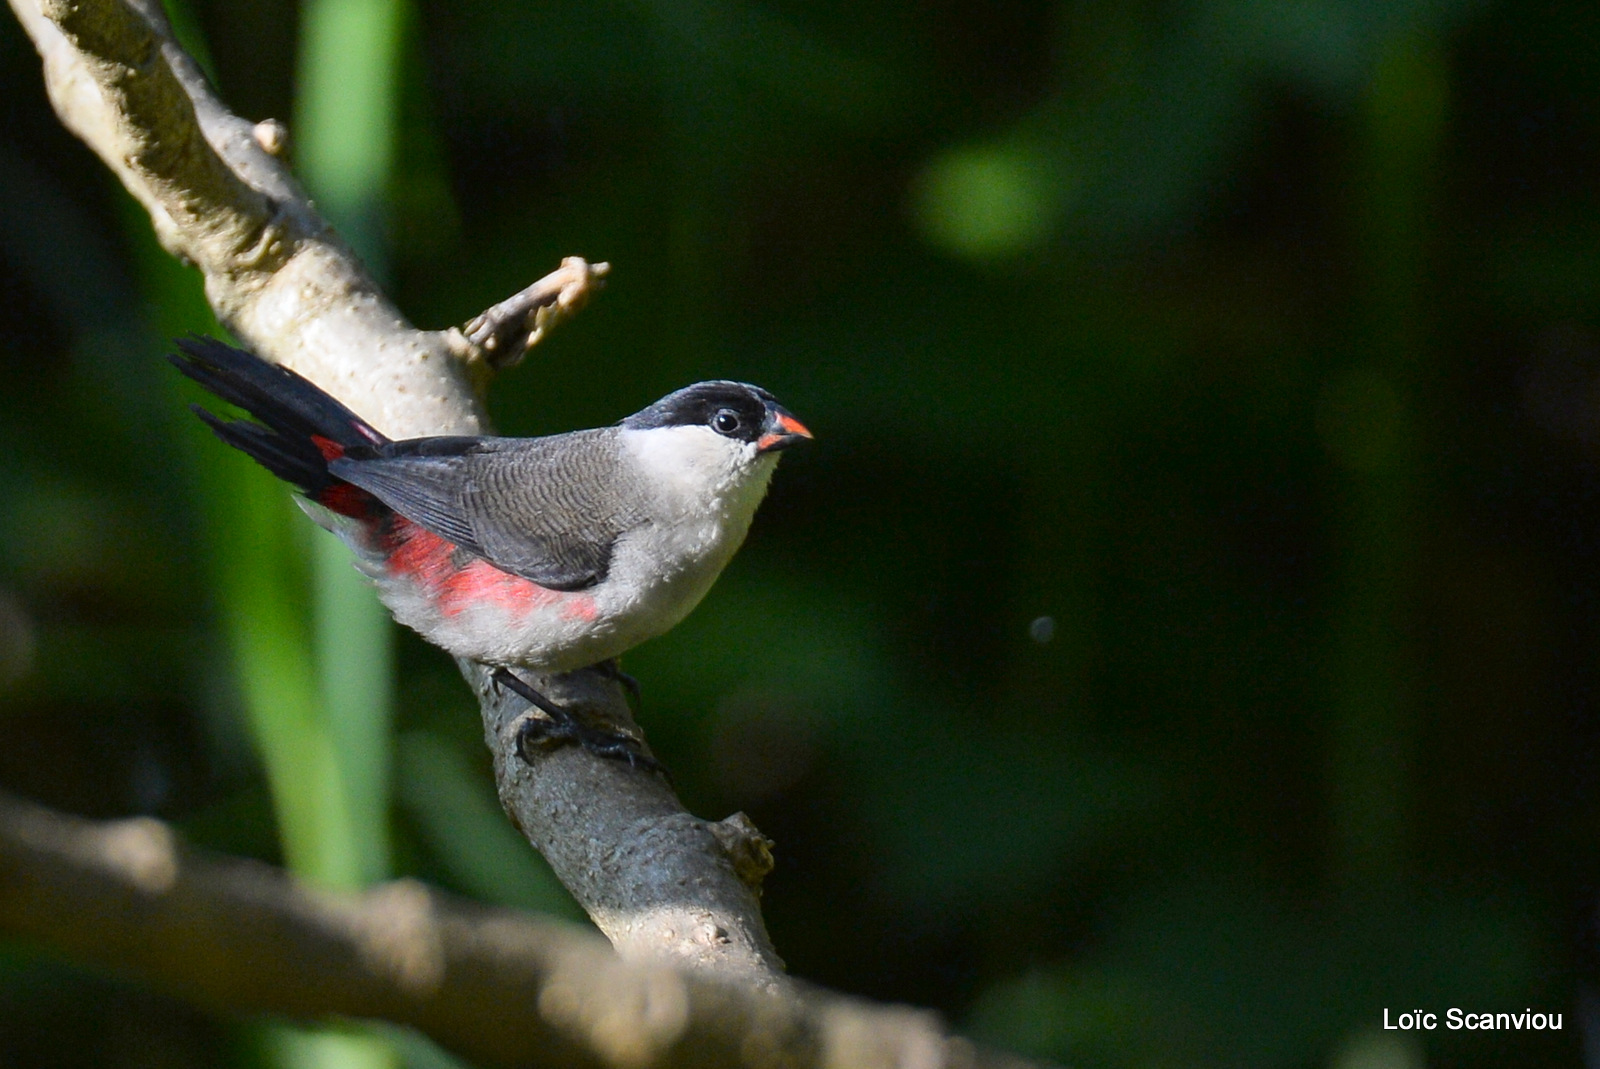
x=553 y=554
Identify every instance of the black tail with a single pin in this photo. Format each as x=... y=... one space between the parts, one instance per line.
x=301 y=428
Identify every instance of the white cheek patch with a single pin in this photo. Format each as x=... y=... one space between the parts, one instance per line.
x=692 y=464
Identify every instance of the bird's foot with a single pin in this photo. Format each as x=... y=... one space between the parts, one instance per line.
x=612 y=669
x=558 y=726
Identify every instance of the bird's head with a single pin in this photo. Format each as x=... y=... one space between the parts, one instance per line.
x=714 y=433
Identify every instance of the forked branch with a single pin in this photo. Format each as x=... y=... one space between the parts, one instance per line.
x=652 y=876
x=664 y=886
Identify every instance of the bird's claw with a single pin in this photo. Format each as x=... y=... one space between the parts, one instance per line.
x=545 y=732
x=558 y=726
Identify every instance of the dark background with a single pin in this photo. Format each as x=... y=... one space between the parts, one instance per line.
x=1179 y=644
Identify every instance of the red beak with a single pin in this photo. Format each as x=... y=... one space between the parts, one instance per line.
x=783 y=430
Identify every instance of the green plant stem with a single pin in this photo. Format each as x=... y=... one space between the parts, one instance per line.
x=346 y=120
x=347 y=114
x=1378 y=442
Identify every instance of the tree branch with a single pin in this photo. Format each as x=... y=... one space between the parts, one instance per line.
x=505 y=332
x=658 y=881
x=498 y=987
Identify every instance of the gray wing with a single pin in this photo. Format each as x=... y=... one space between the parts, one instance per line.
x=547 y=509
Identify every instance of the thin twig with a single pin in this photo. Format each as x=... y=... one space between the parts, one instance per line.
x=506 y=331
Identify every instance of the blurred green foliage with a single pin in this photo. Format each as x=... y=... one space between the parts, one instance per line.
x=1179 y=644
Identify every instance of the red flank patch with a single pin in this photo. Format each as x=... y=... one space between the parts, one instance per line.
x=432 y=562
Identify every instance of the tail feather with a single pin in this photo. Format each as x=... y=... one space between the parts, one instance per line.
x=300 y=429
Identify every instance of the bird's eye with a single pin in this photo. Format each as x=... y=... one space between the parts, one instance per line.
x=726 y=421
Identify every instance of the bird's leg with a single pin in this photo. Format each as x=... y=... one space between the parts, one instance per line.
x=563 y=726
x=612 y=669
